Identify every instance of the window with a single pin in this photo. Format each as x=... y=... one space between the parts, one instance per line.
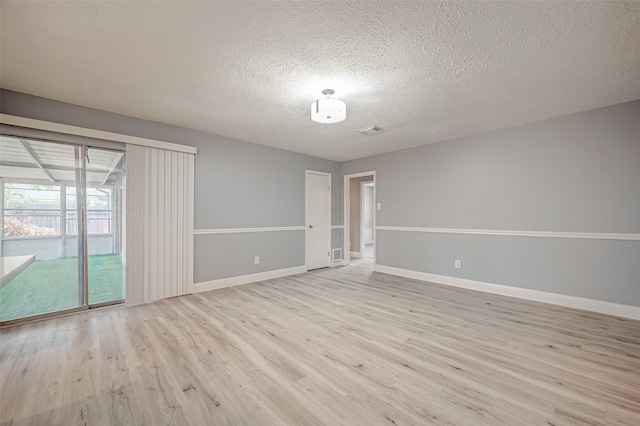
x=31 y=210
x=37 y=210
x=99 y=209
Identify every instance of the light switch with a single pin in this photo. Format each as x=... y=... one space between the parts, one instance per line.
x=379 y=206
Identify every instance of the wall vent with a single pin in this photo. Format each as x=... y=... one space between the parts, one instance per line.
x=336 y=254
x=369 y=130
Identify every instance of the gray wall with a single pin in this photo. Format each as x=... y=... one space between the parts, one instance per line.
x=237 y=185
x=579 y=173
x=243 y=185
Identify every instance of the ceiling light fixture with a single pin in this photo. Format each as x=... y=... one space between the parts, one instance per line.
x=328 y=111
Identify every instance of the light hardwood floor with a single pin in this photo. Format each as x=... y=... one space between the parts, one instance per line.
x=331 y=347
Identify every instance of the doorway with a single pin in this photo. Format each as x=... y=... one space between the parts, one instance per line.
x=367 y=211
x=317 y=219
x=360 y=216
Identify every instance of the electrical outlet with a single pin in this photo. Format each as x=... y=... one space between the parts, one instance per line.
x=257 y=260
x=457 y=263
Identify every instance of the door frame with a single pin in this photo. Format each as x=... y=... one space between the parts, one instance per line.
x=306 y=216
x=363 y=184
x=347 y=211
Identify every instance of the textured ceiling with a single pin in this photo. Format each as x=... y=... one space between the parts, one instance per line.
x=423 y=71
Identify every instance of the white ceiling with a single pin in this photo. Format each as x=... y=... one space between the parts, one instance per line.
x=423 y=71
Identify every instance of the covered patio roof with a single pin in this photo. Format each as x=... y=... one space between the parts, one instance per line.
x=31 y=160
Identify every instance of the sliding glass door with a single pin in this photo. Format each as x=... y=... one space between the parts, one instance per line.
x=105 y=189
x=61 y=241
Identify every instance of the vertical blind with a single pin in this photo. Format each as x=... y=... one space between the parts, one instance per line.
x=159 y=223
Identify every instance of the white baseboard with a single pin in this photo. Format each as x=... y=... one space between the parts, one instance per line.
x=610 y=308
x=246 y=279
x=356 y=254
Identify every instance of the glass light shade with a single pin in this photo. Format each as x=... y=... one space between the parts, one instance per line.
x=328 y=111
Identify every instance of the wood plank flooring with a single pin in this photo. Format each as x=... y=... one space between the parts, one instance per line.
x=332 y=347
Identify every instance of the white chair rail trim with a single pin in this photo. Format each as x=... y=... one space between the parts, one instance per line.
x=247 y=230
x=513 y=233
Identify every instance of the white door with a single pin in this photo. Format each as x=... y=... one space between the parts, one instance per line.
x=318 y=219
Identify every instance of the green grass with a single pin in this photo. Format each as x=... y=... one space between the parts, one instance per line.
x=52 y=285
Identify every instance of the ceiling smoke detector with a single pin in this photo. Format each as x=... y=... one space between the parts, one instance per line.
x=328 y=111
x=369 y=130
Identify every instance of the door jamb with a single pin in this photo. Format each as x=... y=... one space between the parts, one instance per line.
x=363 y=184
x=347 y=211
